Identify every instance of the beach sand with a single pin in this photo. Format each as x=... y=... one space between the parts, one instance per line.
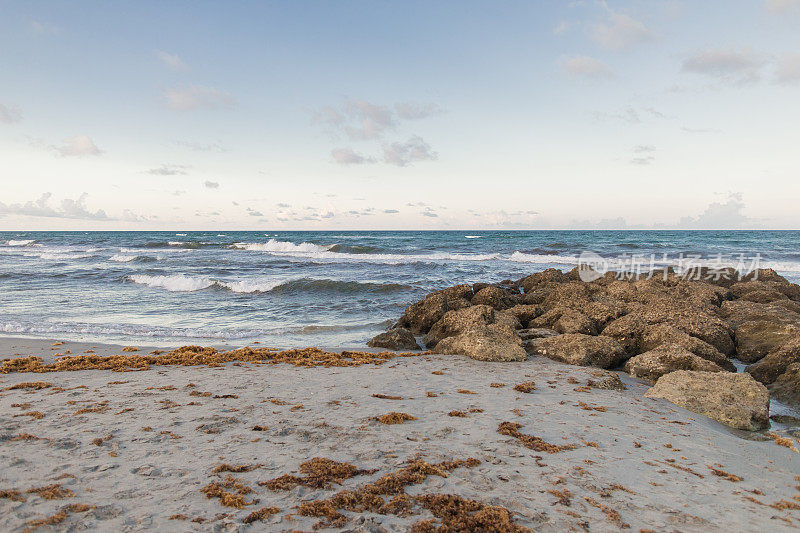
x=139 y=447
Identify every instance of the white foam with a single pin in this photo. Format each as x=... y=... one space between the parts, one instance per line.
x=472 y=236
x=279 y=246
x=249 y=287
x=180 y=235
x=119 y=258
x=522 y=257
x=24 y=242
x=174 y=283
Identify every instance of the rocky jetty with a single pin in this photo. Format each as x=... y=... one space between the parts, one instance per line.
x=688 y=328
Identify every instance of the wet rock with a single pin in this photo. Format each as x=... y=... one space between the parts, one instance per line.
x=737 y=312
x=395 y=339
x=786 y=388
x=606 y=380
x=496 y=342
x=495 y=297
x=666 y=358
x=461 y=320
x=776 y=362
x=579 y=349
x=525 y=313
x=736 y=400
x=757 y=338
x=421 y=316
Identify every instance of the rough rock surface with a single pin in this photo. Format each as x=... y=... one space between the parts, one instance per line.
x=654 y=336
x=460 y=320
x=787 y=387
x=667 y=358
x=736 y=400
x=579 y=349
x=496 y=342
x=525 y=313
x=394 y=339
x=775 y=363
x=495 y=297
x=756 y=338
x=419 y=317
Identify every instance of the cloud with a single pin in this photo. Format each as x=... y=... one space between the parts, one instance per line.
x=284 y=206
x=585 y=66
x=68 y=208
x=788 y=69
x=644 y=154
x=79 y=145
x=254 y=213
x=347 y=156
x=782 y=7
x=562 y=27
x=416 y=110
x=390 y=211
x=211 y=184
x=195 y=97
x=171 y=60
x=721 y=215
x=727 y=64
x=202 y=147
x=44 y=28
x=10 y=114
x=620 y=31
x=168 y=170
x=403 y=154
x=371 y=120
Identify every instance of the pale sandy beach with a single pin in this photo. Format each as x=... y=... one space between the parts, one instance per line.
x=137 y=448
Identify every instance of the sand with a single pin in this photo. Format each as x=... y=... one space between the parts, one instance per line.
x=139 y=447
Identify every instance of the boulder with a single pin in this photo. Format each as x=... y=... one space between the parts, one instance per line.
x=395 y=339
x=536 y=333
x=461 y=320
x=605 y=379
x=736 y=400
x=658 y=334
x=579 y=349
x=420 y=316
x=664 y=359
x=737 y=312
x=575 y=294
x=565 y=320
x=525 y=313
x=551 y=275
x=786 y=388
x=756 y=338
x=496 y=342
x=495 y=297
x=776 y=362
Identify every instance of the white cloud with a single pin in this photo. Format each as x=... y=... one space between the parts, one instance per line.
x=727 y=64
x=211 y=184
x=585 y=66
x=171 y=60
x=620 y=31
x=562 y=27
x=348 y=156
x=44 y=28
x=168 y=170
x=404 y=154
x=416 y=110
x=782 y=7
x=202 y=147
x=79 y=145
x=74 y=209
x=10 y=114
x=370 y=120
x=360 y=120
x=721 y=215
x=788 y=69
x=195 y=97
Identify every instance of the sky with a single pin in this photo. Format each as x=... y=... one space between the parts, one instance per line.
x=372 y=114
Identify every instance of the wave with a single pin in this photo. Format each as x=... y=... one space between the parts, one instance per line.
x=522 y=257
x=472 y=236
x=128 y=330
x=173 y=283
x=340 y=286
x=21 y=242
x=184 y=283
x=275 y=246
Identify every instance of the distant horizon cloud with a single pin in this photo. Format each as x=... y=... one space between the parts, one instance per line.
x=402 y=154
x=348 y=156
x=68 y=208
x=211 y=184
x=788 y=68
x=168 y=170
x=197 y=97
x=78 y=146
x=740 y=65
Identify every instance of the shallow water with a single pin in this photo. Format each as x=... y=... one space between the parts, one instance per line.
x=300 y=288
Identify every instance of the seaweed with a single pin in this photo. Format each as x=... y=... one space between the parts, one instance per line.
x=319 y=473
x=529 y=441
x=395 y=418
x=456 y=514
x=525 y=387
x=260 y=515
x=52 y=492
x=387 y=397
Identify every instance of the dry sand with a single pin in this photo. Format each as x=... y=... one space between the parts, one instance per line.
x=647 y=460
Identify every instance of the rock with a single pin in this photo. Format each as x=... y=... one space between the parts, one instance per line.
x=766 y=274
x=664 y=359
x=461 y=320
x=525 y=313
x=736 y=400
x=549 y=275
x=420 y=316
x=654 y=336
x=574 y=294
x=607 y=380
x=495 y=297
x=579 y=349
x=536 y=333
x=757 y=338
x=786 y=388
x=565 y=320
x=395 y=339
x=776 y=362
x=737 y=312
x=496 y=342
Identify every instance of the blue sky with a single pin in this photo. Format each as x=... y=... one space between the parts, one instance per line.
x=395 y=115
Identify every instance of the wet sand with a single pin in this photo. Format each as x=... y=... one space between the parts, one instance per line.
x=135 y=450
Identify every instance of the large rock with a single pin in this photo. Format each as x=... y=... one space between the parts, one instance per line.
x=776 y=362
x=579 y=349
x=495 y=297
x=737 y=312
x=496 y=342
x=786 y=388
x=420 y=316
x=395 y=339
x=525 y=313
x=664 y=359
x=565 y=320
x=658 y=334
x=757 y=338
x=461 y=320
x=551 y=275
x=736 y=400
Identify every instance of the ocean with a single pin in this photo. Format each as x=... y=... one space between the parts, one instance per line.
x=310 y=288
